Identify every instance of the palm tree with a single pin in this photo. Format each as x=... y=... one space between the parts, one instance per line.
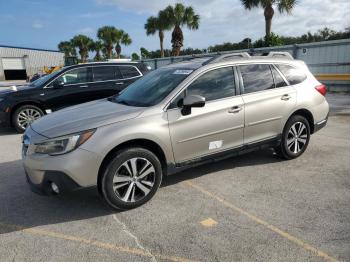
x=160 y=24
x=121 y=38
x=268 y=6
x=107 y=35
x=83 y=43
x=67 y=48
x=97 y=47
x=178 y=16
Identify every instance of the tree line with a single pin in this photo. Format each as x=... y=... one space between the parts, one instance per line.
x=324 y=34
x=109 y=38
x=175 y=18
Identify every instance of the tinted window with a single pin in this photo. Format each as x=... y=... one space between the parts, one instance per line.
x=76 y=76
x=279 y=82
x=292 y=74
x=129 y=71
x=153 y=87
x=216 y=84
x=256 y=78
x=104 y=73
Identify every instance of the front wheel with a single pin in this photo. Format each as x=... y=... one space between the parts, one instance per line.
x=295 y=138
x=24 y=116
x=131 y=178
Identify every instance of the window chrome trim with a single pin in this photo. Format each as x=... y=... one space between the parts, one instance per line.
x=118 y=79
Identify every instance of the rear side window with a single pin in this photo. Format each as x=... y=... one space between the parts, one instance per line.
x=216 y=84
x=293 y=75
x=128 y=71
x=279 y=81
x=256 y=78
x=105 y=73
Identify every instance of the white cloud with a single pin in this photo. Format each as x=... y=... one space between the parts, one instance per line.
x=86 y=30
x=37 y=25
x=227 y=20
x=94 y=15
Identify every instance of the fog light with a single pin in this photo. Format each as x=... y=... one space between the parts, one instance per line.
x=54 y=188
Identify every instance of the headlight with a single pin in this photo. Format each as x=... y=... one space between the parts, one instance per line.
x=63 y=145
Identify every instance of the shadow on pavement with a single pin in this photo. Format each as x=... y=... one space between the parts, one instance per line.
x=250 y=159
x=7 y=131
x=19 y=206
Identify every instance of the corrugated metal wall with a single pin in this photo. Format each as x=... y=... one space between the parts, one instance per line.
x=34 y=60
x=328 y=57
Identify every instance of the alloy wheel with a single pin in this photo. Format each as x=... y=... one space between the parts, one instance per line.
x=134 y=179
x=297 y=137
x=27 y=116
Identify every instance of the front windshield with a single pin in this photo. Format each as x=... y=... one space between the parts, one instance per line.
x=45 y=78
x=152 y=88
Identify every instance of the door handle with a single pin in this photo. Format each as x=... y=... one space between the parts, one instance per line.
x=235 y=109
x=119 y=83
x=84 y=86
x=286 y=97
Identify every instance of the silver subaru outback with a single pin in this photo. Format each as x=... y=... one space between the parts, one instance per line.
x=175 y=117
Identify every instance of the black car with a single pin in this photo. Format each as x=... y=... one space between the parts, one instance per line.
x=21 y=105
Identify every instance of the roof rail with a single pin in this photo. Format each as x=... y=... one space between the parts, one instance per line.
x=224 y=57
x=275 y=54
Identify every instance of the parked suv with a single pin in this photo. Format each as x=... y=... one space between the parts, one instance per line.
x=175 y=117
x=20 y=106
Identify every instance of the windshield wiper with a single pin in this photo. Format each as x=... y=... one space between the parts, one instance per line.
x=123 y=102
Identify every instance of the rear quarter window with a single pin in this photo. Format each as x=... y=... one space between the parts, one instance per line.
x=129 y=71
x=292 y=74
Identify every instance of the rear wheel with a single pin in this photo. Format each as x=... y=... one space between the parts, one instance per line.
x=24 y=116
x=295 y=138
x=131 y=178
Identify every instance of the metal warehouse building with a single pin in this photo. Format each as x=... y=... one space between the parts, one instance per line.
x=16 y=63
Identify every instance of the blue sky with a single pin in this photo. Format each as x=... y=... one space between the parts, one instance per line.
x=44 y=23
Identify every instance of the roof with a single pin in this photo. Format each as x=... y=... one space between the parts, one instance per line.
x=103 y=63
x=28 y=48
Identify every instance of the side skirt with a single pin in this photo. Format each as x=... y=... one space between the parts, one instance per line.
x=246 y=148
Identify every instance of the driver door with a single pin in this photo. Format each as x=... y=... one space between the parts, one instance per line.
x=75 y=89
x=216 y=127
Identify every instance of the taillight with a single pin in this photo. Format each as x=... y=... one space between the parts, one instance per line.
x=322 y=89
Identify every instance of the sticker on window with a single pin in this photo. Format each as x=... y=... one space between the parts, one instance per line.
x=182 y=72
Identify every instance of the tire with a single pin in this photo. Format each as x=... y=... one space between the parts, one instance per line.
x=122 y=188
x=295 y=138
x=24 y=116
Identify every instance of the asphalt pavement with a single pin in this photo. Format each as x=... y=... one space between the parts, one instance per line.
x=254 y=207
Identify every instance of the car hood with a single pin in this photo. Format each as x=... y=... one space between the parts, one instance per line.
x=11 y=89
x=83 y=117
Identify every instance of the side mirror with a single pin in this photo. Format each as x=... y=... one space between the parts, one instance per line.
x=192 y=101
x=58 y=84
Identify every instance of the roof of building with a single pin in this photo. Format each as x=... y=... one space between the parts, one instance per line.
x=28 y=48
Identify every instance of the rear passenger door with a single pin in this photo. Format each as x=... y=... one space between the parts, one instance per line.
x=268 y=101
x=107 y=81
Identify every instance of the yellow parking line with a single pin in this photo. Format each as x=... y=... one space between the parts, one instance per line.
x=208 y=222
x=280 y=232
x=124 y=249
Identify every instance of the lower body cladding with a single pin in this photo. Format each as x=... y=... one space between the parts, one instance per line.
x=49 y=175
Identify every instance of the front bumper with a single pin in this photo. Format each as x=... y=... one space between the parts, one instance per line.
x=71 y=171
x=62 y=181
